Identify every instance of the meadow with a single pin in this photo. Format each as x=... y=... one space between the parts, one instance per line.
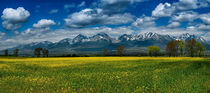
x=105 y=74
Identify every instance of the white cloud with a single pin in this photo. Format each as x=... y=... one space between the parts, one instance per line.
x=15 y=15
x=53 y=11
x=185 y=16
x=200 y=27
x=191 y=28
x=167 y=9
x=10 y=26
x=84 y=18
x=173 y=24
x=89 y=17
x=190 y=4
x=116 y=6
x=163 y=10
x=204 y=27
x=44 y=23
x=187 y=4
x=205 y=18
x=13 y=18
x=28 y=31
x=119 y=19
x=144 y=21
x=2 y=34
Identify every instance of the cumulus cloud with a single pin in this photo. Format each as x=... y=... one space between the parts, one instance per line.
x=103 y=12
x=190 y=4
x=44 y=23
x=191 y=28
x=185 y=16
x=173 y=24
x=144 y=21
x=53 y=11
x=116 y=6
x=13 y=18
x=205 y=18
x=199 y=27
x=27 y=31
x=10 y=26
x=167 y=9
x=89 y=17
x=84 y=18
x=204 y=27
x=119 y=19
x=163 y=10
x=2 y=34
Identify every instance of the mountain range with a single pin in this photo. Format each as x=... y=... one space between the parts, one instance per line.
x=95 y=44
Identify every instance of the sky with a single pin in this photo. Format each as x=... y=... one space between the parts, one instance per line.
x=27 y=21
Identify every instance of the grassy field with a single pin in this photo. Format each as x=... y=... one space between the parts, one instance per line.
x=105 y=74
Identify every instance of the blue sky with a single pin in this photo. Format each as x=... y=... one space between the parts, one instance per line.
x=26 y=21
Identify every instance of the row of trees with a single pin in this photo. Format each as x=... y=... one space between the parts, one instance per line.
x=179 y=48
x=120 y=50
x=37 y=52
x=15 y=52
x=191 y=48
x=41 y=51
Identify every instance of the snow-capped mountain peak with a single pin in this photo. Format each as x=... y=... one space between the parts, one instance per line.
x=79 y=38
x=100 y=37
x=68 y=40
x=103 y=40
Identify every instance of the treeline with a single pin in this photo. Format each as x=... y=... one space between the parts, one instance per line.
x=41 y=52
x=180 y=48
x=37 y=52
x=174 y=48
x=15 y=53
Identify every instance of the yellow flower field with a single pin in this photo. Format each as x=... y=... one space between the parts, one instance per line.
x=104 y=74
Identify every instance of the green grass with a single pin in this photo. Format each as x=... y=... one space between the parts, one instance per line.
x=105 y=74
